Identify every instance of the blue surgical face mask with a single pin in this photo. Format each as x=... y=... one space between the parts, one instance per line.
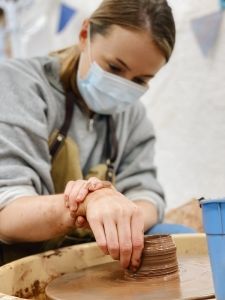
x=106 y=93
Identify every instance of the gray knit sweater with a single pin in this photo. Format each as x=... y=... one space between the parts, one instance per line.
x=32 y=106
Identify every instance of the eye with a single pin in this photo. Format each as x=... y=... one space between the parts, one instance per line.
x=114 y=68
x=140 y=81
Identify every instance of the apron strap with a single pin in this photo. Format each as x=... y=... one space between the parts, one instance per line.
x=111 y=147
x=62 y=133
x=111 y=143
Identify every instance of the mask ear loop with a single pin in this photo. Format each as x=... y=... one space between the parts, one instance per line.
x=89 y=43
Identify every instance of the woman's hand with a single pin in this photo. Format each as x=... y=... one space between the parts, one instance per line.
x=76 y=191
x=117 y=224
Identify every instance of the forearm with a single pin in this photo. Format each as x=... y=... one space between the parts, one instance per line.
x=34 y=219
x=149 y=211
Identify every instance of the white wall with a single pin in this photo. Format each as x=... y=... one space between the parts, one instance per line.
x=187 y=105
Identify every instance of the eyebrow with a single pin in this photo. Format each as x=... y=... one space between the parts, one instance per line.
x=126 y=66
x=123 y=63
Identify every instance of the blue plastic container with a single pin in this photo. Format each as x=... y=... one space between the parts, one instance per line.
x=222 y=2
x=213 y=212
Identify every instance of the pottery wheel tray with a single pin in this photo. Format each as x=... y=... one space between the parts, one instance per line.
x=83 y=272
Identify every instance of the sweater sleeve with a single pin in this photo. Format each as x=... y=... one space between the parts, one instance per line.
x=24 y=154
x=136 y=173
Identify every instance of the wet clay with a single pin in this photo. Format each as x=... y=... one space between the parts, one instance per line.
x=151 y=282
x=159 y=259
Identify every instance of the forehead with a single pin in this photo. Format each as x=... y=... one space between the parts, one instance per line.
x=136 y=48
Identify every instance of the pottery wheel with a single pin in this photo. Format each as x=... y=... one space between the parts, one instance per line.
x=107 y=281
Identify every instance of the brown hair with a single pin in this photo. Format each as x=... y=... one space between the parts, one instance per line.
x=152 y=15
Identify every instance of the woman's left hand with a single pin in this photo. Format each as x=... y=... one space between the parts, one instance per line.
x=117 y=224
x=76 y=192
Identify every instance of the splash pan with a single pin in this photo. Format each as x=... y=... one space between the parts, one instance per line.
x=27 y=278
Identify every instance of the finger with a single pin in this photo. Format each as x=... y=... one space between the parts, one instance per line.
x=77 y=186
x=92 y=182
x=125 y=241
x=112 y=237
x=100 y=185
x=83 y=192
x=67 y=203
x=99 y=233
x=85 y=189
x=67 y=191
x=137 y=235
x=73 y=214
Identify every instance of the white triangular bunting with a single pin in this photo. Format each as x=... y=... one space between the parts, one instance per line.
x=206 y=30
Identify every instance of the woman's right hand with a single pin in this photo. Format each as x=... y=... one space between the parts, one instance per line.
x=117 y=224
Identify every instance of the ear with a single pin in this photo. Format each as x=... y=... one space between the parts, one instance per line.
x=83 y=36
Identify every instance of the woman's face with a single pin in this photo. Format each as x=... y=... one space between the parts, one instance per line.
x=126 y=53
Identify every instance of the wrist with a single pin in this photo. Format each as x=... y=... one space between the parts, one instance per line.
x=149 y=211
x=61 y=213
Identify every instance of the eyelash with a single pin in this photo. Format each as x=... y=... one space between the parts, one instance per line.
x=114 y=69
x=140 y=81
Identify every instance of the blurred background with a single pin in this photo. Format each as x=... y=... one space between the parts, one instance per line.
x=186 y=101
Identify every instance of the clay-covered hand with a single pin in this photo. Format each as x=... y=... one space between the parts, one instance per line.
x=117 y=224
x=76 y=191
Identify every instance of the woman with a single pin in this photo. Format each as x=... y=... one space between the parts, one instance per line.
x=46 y=146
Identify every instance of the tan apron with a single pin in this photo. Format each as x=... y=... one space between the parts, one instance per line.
x=66 y=167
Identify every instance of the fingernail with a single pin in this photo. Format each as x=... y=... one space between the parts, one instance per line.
x=138 y=261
